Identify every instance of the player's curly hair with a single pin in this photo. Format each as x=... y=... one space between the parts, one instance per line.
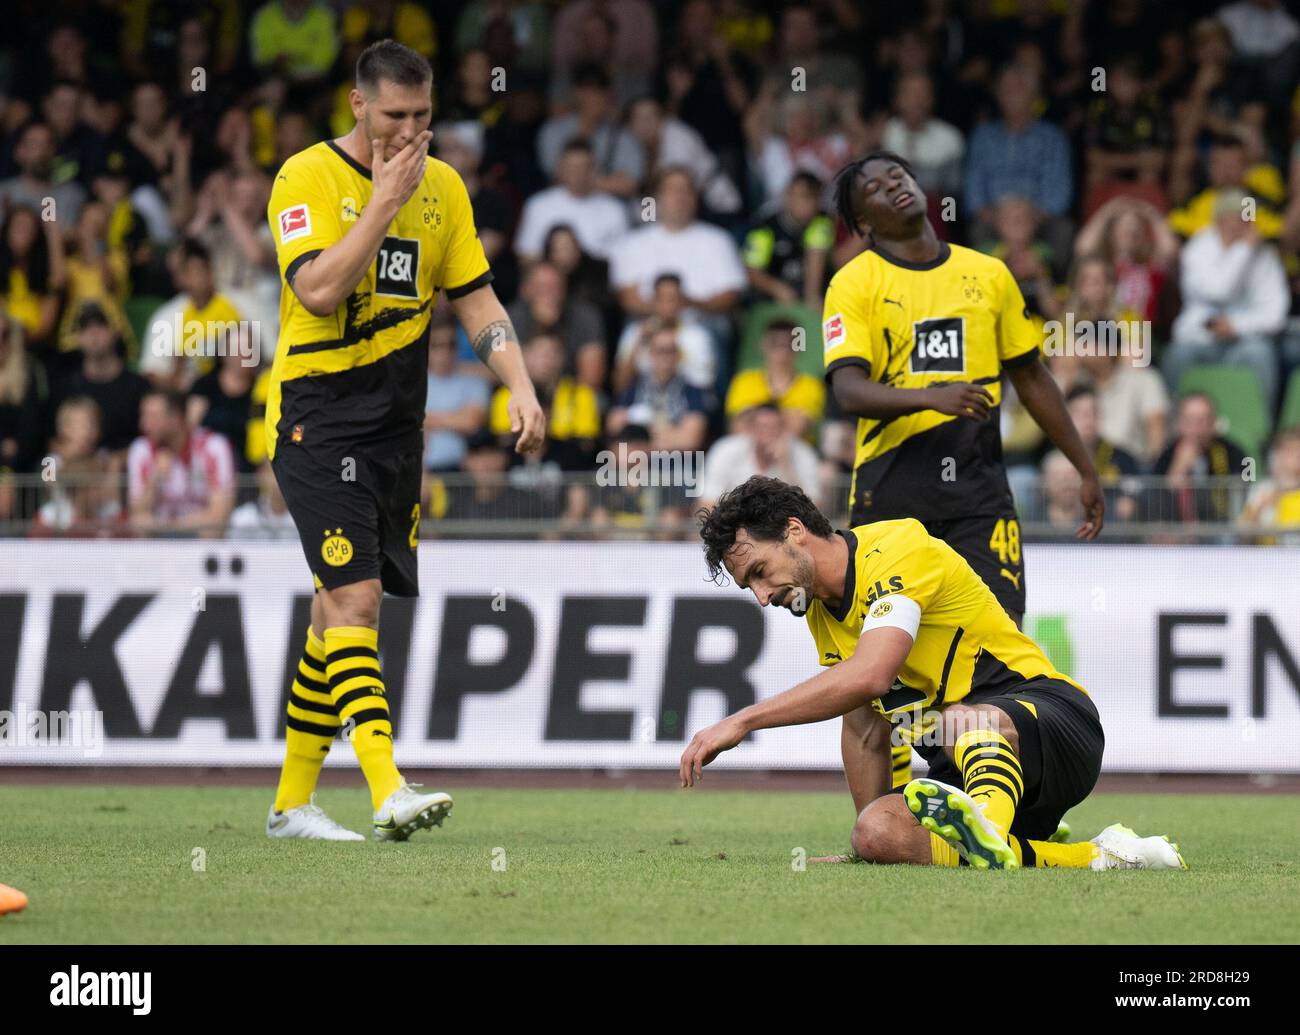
x=762 y=506
x=846 y=187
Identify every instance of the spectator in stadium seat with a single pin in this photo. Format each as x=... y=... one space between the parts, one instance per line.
x=97 y=274
x=625 y=33
x=20 y=414
x=668 y=141
x=703 y=256
x=222 y=401
x=529 y=24
x=1267 y=38
x=178 y=480
x=32 y=275
x=470 y=96
x=676 y=412
x=1132 y=404
x=1197 y=452
x=586 y=276
x=1060 y=489
x=932 y=147
x=78 y=149
x=294 y=38
x=1133 y=236
x=1018 y=154
x=786 y=133
x=1235 y=299
x=456 y=403
x=572 y=409
x=460 y=145
x=598 y=219
x=698 y=363
x=544 y=307
x=104 y=378
x=1030 y=260
x=765 y=447
x=618 y=155
x=206 y=321
x=266 y=517
x=1127 y=135
x=1229 y=171
x=799 y=398
x=1274 y=502
x=34 y=155
x=1116 y=467
x=787 y=255
x=828 y=77
x=645 y=489
x=82 y=492
x=490 y=496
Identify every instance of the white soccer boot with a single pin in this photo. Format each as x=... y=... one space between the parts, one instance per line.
x=1123 y=849
x=307 y=821
x=405 y=811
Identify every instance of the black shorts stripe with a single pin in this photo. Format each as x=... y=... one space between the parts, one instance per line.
x=336 y=678
x=313 y=706
x=310 y=727
x=343 y=653
x=370 y=715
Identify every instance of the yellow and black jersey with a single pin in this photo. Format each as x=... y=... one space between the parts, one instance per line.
x=357 y=377
x=964 y=643
x=912 y=325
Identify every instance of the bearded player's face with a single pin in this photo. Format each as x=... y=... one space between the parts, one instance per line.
x=395 y=114
x=776 y=572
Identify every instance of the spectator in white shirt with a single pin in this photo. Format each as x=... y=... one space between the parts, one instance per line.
x=598 y=219
x=703 y=256
x=178 y=480
x=669 y=141
x=699 y=364
x=765 y=447
x=619 y=158
x=934 y=148
x=1235 y=298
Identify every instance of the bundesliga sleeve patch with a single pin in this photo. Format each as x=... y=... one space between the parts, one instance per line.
x=294 y=222
x=833 y=331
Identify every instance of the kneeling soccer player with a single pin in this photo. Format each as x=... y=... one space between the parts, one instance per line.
x=911 y=632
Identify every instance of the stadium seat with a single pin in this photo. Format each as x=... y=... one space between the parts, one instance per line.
x=750 y=355
x=1290 y=415
x=1243 y=411
x=138 y=309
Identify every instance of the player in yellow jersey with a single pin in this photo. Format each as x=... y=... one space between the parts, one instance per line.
x=917 y=336
x=914 y=639
x=368 y=230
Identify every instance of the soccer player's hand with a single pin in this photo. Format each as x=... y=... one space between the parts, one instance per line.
x=528 y=421
x=961 y=399
x=1094 y=509
x=395 y=180
x=707 y=745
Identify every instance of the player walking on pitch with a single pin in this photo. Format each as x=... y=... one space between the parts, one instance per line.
x=368 y=230
x=917 y=334
x=914 y=638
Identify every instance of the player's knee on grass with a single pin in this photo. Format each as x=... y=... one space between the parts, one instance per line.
x=886 y=832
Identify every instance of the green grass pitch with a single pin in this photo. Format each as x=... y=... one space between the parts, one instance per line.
x=118 y=864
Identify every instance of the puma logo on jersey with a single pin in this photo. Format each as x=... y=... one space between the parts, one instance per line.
x=1015 y=579
x=890 y=301
x=834 y=655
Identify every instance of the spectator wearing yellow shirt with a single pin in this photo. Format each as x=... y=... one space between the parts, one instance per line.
x=1275 y=501
x=800 y=397
x=297 y=38
x=1229 y=168
x=572 y=411
x=186 y=335
x=32 y=274
x=97 y=273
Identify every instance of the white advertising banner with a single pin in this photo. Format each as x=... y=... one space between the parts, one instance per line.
x=599 y=655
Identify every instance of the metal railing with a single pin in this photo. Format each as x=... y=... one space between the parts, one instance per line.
x=539 y=503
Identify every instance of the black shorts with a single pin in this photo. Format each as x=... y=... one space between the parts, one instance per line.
x=1061 y=744
x=355 y=528
x=994 y=552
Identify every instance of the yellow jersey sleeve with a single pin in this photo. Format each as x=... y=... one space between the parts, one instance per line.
x=464 y=265
x=905 y=563
x=846 y=329
x=1019 y=337
x=304 y=219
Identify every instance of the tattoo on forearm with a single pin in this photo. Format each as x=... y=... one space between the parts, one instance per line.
x=493 y=338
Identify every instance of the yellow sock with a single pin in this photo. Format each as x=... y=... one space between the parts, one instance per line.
x=942 y=853
x=357 y=687
x=1054 y=854
x=901 y=754
x=309 y=730
x=991 y=773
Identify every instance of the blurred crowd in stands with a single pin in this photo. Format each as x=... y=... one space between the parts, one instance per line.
x=651 y=183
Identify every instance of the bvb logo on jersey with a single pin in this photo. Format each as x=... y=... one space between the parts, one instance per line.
x=881 y=609
x=970 y=287
x=336 y=551
x=430 y=217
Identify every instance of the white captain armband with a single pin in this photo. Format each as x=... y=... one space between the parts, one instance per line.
x=896 y=610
